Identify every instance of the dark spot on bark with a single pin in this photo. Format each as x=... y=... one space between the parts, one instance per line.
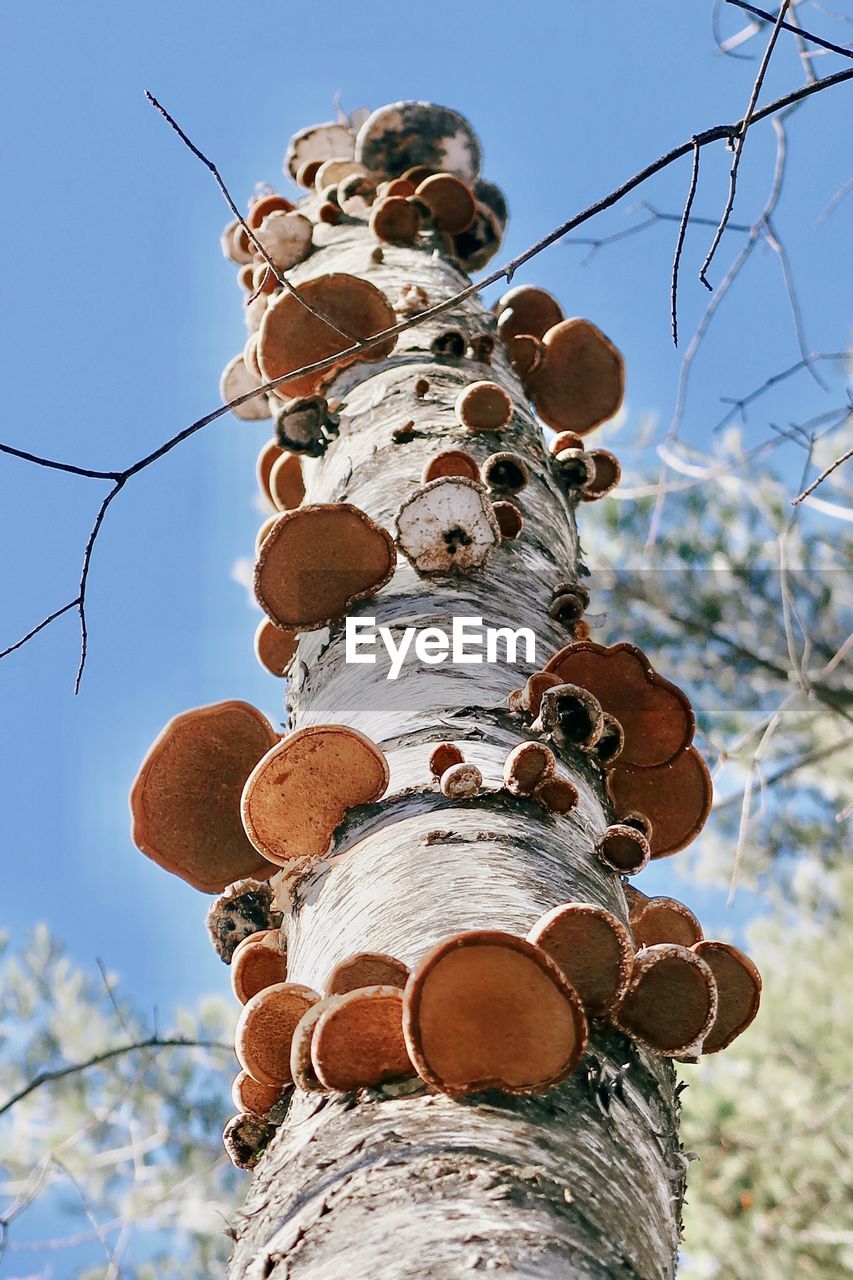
x=574 y=718
x=450 y=343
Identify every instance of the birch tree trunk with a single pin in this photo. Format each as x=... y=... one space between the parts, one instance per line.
x=585 y=1181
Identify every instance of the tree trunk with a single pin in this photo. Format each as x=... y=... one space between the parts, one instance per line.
x=585 y=1181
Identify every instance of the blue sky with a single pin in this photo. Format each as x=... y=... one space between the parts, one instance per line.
x=120 y=313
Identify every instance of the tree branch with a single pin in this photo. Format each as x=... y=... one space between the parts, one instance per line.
x=795 y=27
x=679 y=244
x=795 y=502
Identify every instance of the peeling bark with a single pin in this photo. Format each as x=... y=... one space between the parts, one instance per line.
x=585 y=1181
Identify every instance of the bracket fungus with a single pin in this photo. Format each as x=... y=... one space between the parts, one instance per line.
x=525 y=353
x=593 y=949
x=290 y=337
x=263 y=530
x=606 y=476
x=569 y=602
x=505 y=473
x=447 y=526
x=235 y=244
x=396 y=138
x=624 y=850
x=236 y=381
x=267 y=458
x=286 y=484
x=557 y=795
x=252 y=1098
x=571 y=715
x=265 y=1030
x=259 y=961
x=671 y=1000
x=675 y=798
x=527 y=310
x=738 y=992
x=366 y=969
x=303 y=788
x=275 y=648
x=581 y=380
x=656 y=717
x=314 y=145
x=611 y=742
x=564 y=440
x=244 y=908
x=576 y=469
x=451 y=462
x=245 y=1139
x=185 y=800
x=528 y=765
x=483 y=406
x=477 y=245
x=510 y=520
x=319 y=560
x=443 y=757
x=285 y=238
x=461 y=781
x=395 y=220
x=450 y=202
x=486 y=1010
x=656 y=920
x=358 y=1040
x=305 y=425
x=529 y=699
x=262 y=205
x=301 y=1065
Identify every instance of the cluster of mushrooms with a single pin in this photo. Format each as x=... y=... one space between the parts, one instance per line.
x=225 y=801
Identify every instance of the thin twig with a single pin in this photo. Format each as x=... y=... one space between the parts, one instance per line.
x=738 y=406
x=739 y=145
x=795 y=502
x=791 y=26
x=58 y=466
x=835 y=202
x=679 y=244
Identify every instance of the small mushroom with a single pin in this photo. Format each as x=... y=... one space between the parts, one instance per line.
x=529 y=698
x=302 y=789
x=356 y=195
x=637 y=820
x=306 y=173
x=267 y=459
x=655 y=715
x=244 y=908
x=443 y=757
x=287 y=487
x=738 y=992
x=252 y=1098
x=315 y=145
x=483 y=406
x=671 y=1000
x=510 y=520
x=581 y=380
x=303 y=425
x=396 y=187
x=525 y=353
x=395 y=220
x=527 y=309
x=505 y=473
x=486 y=1010
x=610 y=745
x=481 y=347
x=576 y=469
x=593 y=949
x=571 y=716
x=264 y=529
x=569 y=602
x=675 y=798
x=236 y=244
x=493 y=198
x=265 y=1030
x=272 y=202
x=245 y=1139
x=564 y=440
x=528 y=765
x=250 y=355
x=246 y=277
x=418 y=174
x=607 y=474
x=335 y=171
x=236 y=381
x=449 y=201
x=461 y=781
x=450 y=462
x=557 y=795
x=275 y=648
x=259 y=961
x=626 y=851
x=301 y=1065
x=366 y=969
x=397 y=137
x=185 y=800
x=478 y=244
x=447 y=526
x=317 y=561
x=658 y=920
x=358 y=1040
x=285 y=238
x=291 y=338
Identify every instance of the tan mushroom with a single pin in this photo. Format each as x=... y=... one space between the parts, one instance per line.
x=267 y=459
x=738 y=992
x=557 y=795
x=461 y=781
x=571 y=716
x=272 y=202
x=671 y=1000
x=263 y=530
x=265 y=1030
x=286 y=485
x=358 y=1040
x=624 y=850
x=505 y=473
x=675 y=798
x=447 y=526
x=606 y=476
x=259 y=961
x=564 y=440
x=185 y=800
x=581 y=380
x=529 y=699
x=486 y=1010
x=291 y=338
x=252 y=1098
x=593 y=949
x=401 y=135
x=450 y=462
x=611 y=743
x=483 y=406
x=237 y=381
x=301 y=1065
x=658 y=920
x=335 y=171
x=313 y=146
x=528 y=765
x=275 y=649
x=510 y=520
x=285 y=238
x=395 y=220
x=245 y=1139
x=526 y=309
x=236 y=245
x=449 y=201
x=317 y=561
x=366 y=969
x=302 y=790
x=569 y=602
x=525 y=353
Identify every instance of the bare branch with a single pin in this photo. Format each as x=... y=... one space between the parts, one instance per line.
x=793 y=26
x=739 y=405
x=57 y=466
x=833 y=466
x=679 y=244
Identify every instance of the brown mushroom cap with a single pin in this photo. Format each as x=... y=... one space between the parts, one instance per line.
x=267 y=458
x=447 y=526
x=275 y=648
x=450 y=202
x=236 y=380
x=451 y=462
x=525 y=353
x=738 y=992
x=316 y=144
x=505 y=473
x=301 y=1065
x=185 y=800
x=477 y=245
x=259 y=961
x=286 y=239
x=286 y=485
x=608 y=473
x=367 y=969
x=526 y=766
x=572 y=716
x=486 y=1010
x=395 y=220
x=660 y=920
x=250 y=1097
x=675 y=798
x=291 y=337
x=581 y=380
x=301 y=790
x=272 y=202
x=235 y=243
x=557 y=795
x=526 y=309
x=335 y=171
x=671 y=1000
x=611 y=742
x=263 y=530
x=358 y=1040
x=592 y=948
x=626 y=851
x=319 y=560
x=564 y=440
x=397 y=137
x=656 y=717
x=483 y=406
x=510 y=520
x=443 y=757
x=460 y=781
x=265 y=1030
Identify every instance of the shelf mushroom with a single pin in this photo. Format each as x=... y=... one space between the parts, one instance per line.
x=402 y=135
x=581 y=379
x=185 y=800
x=250 y=1097
x=285 y=238
x=358 y=1040
x=447 y=526
x=738 y=991
x=275 y=648
x=365 y=969
x=301 y=1065
x=675 y=798
x=656 y=920
x=286 y=484
x=259 y=961
x=245 y=907
x=237 y=381
x=314 y=145
x=526 y=309
x=450 y=202
x=670 y=1002
x=528 y=765
x=624 y=850
x=593 y=949
x=483 y=406
x=265 y=1030
x=570 y=715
